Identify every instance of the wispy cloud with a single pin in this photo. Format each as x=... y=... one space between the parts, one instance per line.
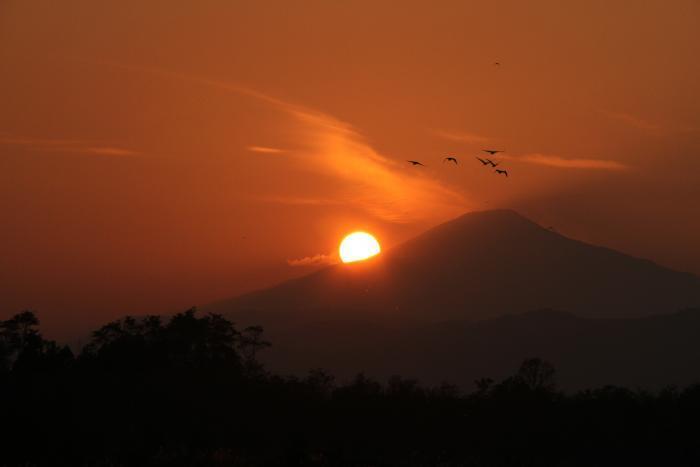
x=566 y=163
x=462 y=137
x=639 y=123
x=108 y=151
x=316 y=260
x=65 y=145
x=298 y=201
x=632 y=120
x=380 y=185
x=367 y=179
x=266 y=150
x=7 y=138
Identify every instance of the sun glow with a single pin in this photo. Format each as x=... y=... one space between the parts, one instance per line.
x=358 y=246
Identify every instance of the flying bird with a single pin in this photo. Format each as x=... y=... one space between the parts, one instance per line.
x=504 y=172
x=493 y=164
x=450 y=159
x=415 y=163
x=491 y=151
x=483 y=162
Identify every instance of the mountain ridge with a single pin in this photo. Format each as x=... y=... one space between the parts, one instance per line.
x=481 y=265
x=649 y=352
x=472 y=298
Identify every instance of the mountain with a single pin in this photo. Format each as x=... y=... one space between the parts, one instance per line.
x=650 y=352
x=455 y=304
x=480 y=265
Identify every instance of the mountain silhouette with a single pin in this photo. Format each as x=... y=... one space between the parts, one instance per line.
x=650 y=352
x=456 y=303
x=480 y=265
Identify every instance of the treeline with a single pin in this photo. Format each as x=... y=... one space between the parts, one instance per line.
x=192 y=392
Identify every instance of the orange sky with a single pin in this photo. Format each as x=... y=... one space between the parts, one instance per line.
x=156 y=155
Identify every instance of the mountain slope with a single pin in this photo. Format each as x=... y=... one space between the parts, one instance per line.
x=650 y=352
x=478 y=266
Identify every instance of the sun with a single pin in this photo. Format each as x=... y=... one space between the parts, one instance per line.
x=358 y=246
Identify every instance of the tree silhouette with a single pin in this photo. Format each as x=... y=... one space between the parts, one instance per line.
x=250 y=342
x=23 y=349
x=185 y=341
x=320 y=382
x=537 y=374
x=483 y=385
x=188 y=390
x=19 y=332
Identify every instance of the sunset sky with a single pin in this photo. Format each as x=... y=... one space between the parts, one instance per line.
x=156 y=155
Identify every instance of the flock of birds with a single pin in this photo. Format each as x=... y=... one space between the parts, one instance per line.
x=484 y=162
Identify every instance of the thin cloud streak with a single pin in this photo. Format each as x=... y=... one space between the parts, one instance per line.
x=316 y=260
x=266 y=150
x=298 y=201
x=371 y=181
x=384 y=188
x=462 y=137
x=639 y=123
x=66 y=146
x=109 y=151
x=564 y=163
x=632 y=120
x=41 y=142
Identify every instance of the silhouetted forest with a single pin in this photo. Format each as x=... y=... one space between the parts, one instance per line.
x=191 y=391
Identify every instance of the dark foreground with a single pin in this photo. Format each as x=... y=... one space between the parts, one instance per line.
x=190 y=392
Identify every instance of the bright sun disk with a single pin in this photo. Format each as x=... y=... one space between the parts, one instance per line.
x=358 y=246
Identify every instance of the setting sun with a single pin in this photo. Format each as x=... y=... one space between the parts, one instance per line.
x=358 y=246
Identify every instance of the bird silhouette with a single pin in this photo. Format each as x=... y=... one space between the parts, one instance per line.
x=415 y=163
x=492 y=151
x=450 y=159
x=493 y=164
x=483 y=162
x=504 y=172
x=497 y=63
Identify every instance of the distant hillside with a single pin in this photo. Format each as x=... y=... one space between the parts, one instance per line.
x=648 y=352
x=453 y=304
x=480 y=265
